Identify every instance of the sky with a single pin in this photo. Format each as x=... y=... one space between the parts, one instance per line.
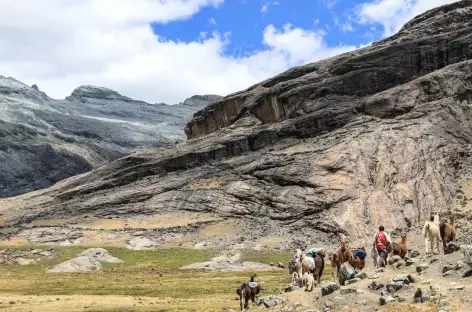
x=168 y=50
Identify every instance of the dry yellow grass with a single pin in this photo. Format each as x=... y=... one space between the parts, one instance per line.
x=147 y=281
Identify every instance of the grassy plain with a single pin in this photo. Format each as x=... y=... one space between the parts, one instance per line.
x=147 y=281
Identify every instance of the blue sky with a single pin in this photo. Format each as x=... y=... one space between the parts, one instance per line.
x=246 y=20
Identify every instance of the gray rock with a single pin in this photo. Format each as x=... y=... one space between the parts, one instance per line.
x=141 y=243
x=459 y=265
x=415 y=253
x=346 y=272
x=99 y=254
x=376 y=286
x=23 y=261
x=269 y=301
x=421 y=267
x=280 y=265
x=290 y=288
x=46 y=140
x=50 y=235
x=361 y=275
x=329 y=288
x=352 y=280
x=400 y=264
x=394 y=259
x=410 y=261
x=394 y=286
x=386 y=300
x=347 y=291
x=467 y=254
x=421 y=295
x=76 y=265
x=404 y=278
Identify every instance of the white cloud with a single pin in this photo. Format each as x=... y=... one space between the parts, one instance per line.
x=265 y=7
x=212 y=21
x=345 y=27
x=393 y=14
x=110 y=43
x=330 y=3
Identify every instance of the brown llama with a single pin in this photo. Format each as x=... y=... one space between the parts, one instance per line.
x=447 y=231
x=319 y=268
x=247 y=292
x=358 y=258
x=343 y=255
x=399 y=247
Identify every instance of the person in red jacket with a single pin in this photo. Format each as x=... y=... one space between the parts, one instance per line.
x=381 y=242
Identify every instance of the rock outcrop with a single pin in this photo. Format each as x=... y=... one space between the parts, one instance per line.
x=379 y=135
x=43 y=141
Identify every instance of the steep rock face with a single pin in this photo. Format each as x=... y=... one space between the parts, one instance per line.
x=378 y=136
x=43 y=140
x=429 y=42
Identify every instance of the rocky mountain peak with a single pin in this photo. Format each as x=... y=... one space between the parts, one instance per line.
x=93 y=92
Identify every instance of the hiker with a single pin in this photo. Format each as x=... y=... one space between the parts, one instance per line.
x=382 y=242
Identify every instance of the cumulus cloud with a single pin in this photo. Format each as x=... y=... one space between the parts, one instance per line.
x=111 y=43
x=393 y=14
x=344 y=26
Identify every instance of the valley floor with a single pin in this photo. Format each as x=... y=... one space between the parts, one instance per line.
x=146 y=281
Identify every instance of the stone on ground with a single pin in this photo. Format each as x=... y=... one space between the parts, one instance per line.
x=329 y=288
x=23 y=261
x=99 y=254
x=346 y=272
x=76 y=265
x=141 y=243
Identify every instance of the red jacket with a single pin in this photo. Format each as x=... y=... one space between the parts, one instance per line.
x=381 y=241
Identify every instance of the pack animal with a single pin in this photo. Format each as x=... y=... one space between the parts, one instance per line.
x=319 y=268
x=343 y=255
x=399 y=247
x=447 y=232
x=248 y=291
x=431 y=233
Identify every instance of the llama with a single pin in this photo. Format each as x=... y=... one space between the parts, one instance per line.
x=319 y=268
x=343 y=255
x=246 y=292
x=431 y=233
x=399 y=247
x=447 y=231
x=309 y=281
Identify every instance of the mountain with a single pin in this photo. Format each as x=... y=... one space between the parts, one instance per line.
x=381 y=135
x=43 y=140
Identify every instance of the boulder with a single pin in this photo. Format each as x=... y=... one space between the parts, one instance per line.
x=459 y=264
x=448 y=267
x=415 y=253
x=399 y=264
x=421 y=267
x=23 y=261
x=361 y=275
x=467 y=254
x=267 y=301
x=280 y=265
x=141 y=243
x=394 y=259
x=77 y=265
x=290 y=288
x=386 y=300
x=99 y=254
x=352 y=280
x=329 y=288
x=404 y=278
x=410 y=261
x=421 y=295
x=394 y=286
x=376 y=286
x=346 y=272
x=347 y=291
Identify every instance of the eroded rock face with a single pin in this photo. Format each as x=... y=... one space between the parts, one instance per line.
x=381 y=135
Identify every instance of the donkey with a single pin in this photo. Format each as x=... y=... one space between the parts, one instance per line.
x=248 y=291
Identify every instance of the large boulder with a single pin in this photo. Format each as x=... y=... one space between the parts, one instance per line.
x=141 y=243
x=467 y=253
x=77 y=265
x=346 y=272
x=99 y=254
